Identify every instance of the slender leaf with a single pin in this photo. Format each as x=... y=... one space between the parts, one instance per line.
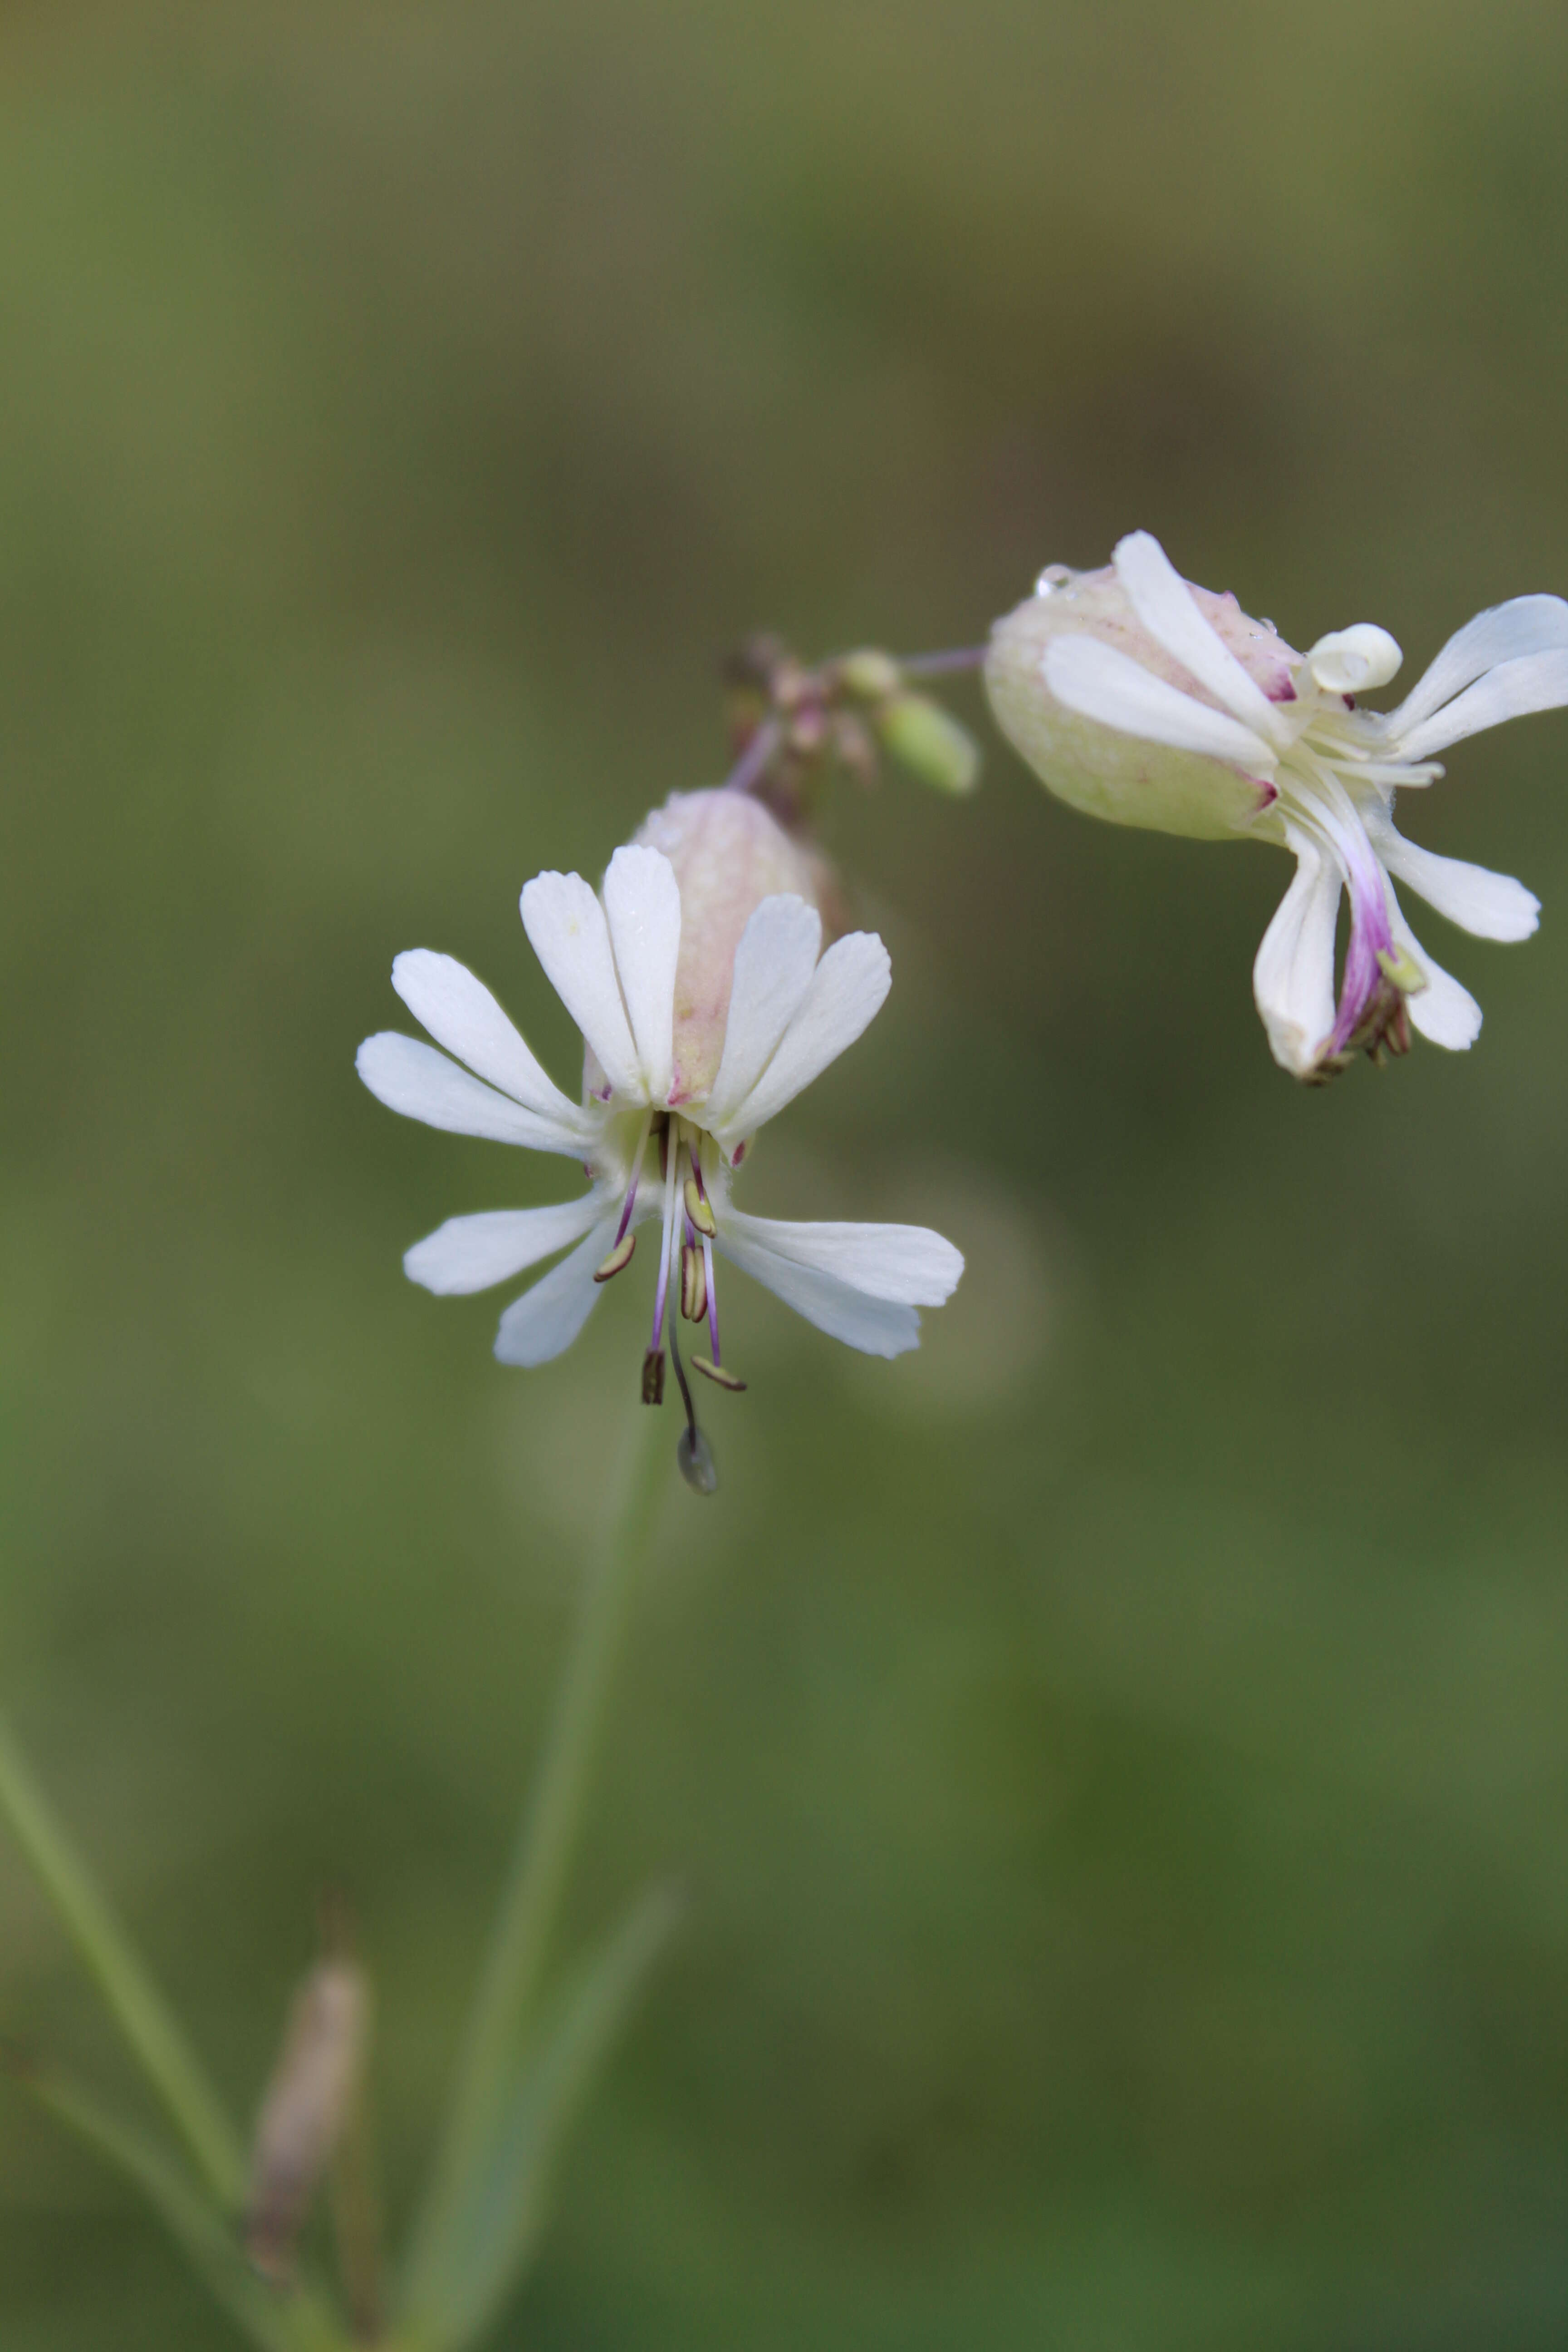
x=295 y=2322
x=151 y=2030
x=494 y=2222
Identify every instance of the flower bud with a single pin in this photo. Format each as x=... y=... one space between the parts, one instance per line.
x=928 y=740
x=1098 y=768
x=306 y=2107
x=728 y=852
x=870 y=675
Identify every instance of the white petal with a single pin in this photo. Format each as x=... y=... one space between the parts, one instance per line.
x=1443 y=1012
x=566 y=927
x=1492 y=906
x=1163 y=603
x=1293 y=975
x=848 y=988
x=1099 y=683
x=1527 y=624
x=908 y=1265
x=461 y=1015
x=470 y=1253
x=543 y=1323
x=642 y=903
x=1536 y=682
x=416 y=1080
x=774 y=965
x=875 y=1326
x=1355 y=660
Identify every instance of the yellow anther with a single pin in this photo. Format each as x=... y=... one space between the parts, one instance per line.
x=620 y=1255
x=699 y=1210
x=716 y=1372
x=1401 y=971
x=693 y=1285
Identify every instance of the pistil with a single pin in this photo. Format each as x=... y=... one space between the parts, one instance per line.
x=669 y=1142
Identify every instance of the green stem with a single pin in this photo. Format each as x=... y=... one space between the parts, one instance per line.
x=150 y=2030
x=356 y=2223
x=510 y=1981
x=293 y=2322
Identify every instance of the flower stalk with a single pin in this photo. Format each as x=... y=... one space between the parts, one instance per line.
x=520 y=2075
x=790 y=720
x=510 y=1982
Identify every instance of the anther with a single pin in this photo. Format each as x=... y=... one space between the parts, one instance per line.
x=699 y=1210
x=653 y=1377
x=716 y=1373
x=1400 y=970
x=619 y=1256
x=693 y=1285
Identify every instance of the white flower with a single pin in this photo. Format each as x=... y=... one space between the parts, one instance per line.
x=1099 y=669
x=664 y=1120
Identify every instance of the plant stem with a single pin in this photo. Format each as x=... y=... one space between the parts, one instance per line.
x=150 y=2027
x=298 y=2321
x=749 y=768
x=509 y=1979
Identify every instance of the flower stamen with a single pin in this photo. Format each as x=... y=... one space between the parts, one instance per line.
x=698 y=1207
x=671 y=1154
x=639 y=1156
x=686 y=1058
x=713 y=1296
x=692 y=1452
x=693 y=1284
x=619 y=1256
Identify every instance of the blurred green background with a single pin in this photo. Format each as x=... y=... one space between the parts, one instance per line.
x=1119 y=1757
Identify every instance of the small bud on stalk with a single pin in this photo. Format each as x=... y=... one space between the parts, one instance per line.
x=870 y=676
x=305 y=2111
x=928 y=740
x=789 y=721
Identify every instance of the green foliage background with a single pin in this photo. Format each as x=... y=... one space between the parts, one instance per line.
x=1119 y=1757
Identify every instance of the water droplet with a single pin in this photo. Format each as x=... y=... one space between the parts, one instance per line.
x=1054 y=578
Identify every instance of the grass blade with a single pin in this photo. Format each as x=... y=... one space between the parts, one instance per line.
x=197 y=2225
x=151 y=2031
x=494 y=2222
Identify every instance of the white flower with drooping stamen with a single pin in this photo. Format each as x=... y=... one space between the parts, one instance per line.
x=697 y=1033
x=1139 y=697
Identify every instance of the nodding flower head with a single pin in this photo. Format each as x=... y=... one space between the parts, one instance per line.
x=1140 y=699
x=705 y=1000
